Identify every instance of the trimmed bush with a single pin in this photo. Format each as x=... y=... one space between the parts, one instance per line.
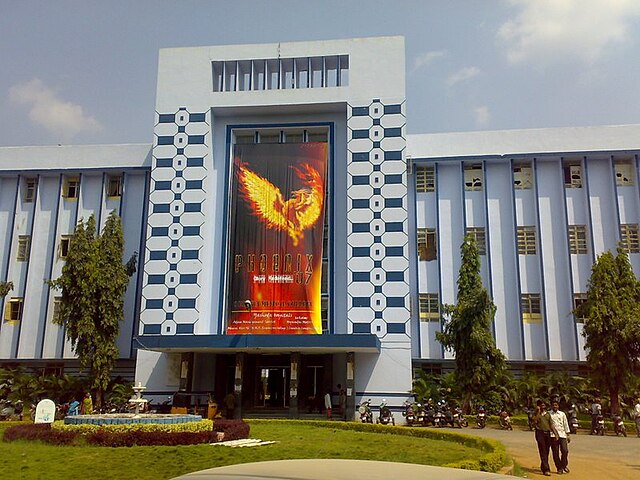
x=38 y=432
x=85 y=428
x=232 y=429
x=129 y=435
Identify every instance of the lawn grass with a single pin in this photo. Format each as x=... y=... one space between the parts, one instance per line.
x=27 y=460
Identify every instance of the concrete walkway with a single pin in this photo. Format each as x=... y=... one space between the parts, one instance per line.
x=337 y=470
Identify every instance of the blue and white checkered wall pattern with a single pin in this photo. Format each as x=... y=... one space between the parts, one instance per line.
x=173 y=265
x=377 y=221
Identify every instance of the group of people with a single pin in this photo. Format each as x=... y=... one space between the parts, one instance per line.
x=552 y=433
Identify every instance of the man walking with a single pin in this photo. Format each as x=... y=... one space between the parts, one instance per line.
x=560 y=438
x=636 y=416
x=544 y=427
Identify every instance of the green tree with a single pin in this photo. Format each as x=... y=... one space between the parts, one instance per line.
x=93 y=283
x=611 y=315
x=479 y=364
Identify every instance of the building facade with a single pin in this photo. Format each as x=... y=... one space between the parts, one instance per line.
x=213 y=307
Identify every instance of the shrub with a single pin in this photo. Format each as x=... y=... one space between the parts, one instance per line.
x=138 y=437
x=86 y=428
x=129 y=435
x=233 y=429
x=39 y=432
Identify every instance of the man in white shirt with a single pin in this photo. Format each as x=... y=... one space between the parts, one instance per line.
x=636 y=415
x=560 y=442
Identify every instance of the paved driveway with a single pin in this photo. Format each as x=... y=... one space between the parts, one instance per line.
x=590 y=457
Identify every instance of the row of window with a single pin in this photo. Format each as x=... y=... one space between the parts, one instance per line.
x=71 y=188
x=522 y=176
x=15 y=305
x=529 y=307
x=280 y=73
x=280 y=136
x=24 y=247
x=526 y=240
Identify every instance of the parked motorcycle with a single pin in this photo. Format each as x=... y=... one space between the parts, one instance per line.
x=409 y=413
x=600 y=428
x=505 y=420
x=618 y=425
x=481 y=417
x=385 y=416
x=364 y=409
x=458 y=418
x=572 y=415
x=530 y=414
x=7 y=410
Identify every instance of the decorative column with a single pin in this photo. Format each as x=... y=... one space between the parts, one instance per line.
x=237 y=389
x=350 y=386
x=294 y=411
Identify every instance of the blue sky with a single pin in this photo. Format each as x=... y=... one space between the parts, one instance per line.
x=84 y=72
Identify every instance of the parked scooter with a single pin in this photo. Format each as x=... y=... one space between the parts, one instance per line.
x=481 y=417
x=364 y=409
x=385 y=416
x=618 y=425
x=505 y=420
x=409 y=413
x=572 y=415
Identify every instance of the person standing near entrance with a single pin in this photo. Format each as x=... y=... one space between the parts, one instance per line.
x=560 y=440
x=543 y=429
x=327 y=404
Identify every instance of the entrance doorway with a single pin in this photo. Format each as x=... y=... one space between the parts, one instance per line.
x=273 y=387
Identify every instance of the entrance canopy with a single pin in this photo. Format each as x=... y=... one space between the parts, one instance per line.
x=259 y=343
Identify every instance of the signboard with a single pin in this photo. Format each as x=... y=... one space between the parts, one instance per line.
x=45 y=411
x=276 y=233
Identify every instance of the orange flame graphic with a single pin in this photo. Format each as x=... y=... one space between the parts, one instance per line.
x=267 y=203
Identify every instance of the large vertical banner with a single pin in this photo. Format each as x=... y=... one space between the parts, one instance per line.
x=277 y=226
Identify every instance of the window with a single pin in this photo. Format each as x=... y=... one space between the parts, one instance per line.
x=624 y=173
x=114 y=186
x=572 y=175
x=425 y=179
x=280 y=73
x=57 y=305
x=63 y=249
x=530 y=305
x=478 y=234
x=24 y=245
x=71 y=188
x=526 y=240
x=429 y=307
x=473 y=177
x=29 y=190
x=427 y=249
x=13 y=310
x=579 y=299
x=629 y=237
x=578 y=239
x=522 y=177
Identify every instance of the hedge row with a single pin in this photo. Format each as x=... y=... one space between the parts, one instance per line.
x=232 y=429
x=494 y=458
x=85 y=428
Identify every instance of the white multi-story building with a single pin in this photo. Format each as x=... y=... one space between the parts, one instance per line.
x=281 y=311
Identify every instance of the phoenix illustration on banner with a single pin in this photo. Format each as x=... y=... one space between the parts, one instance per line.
x=300 y=212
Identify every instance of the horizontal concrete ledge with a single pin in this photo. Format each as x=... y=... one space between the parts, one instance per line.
x=365 y=343
x=322 y=469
